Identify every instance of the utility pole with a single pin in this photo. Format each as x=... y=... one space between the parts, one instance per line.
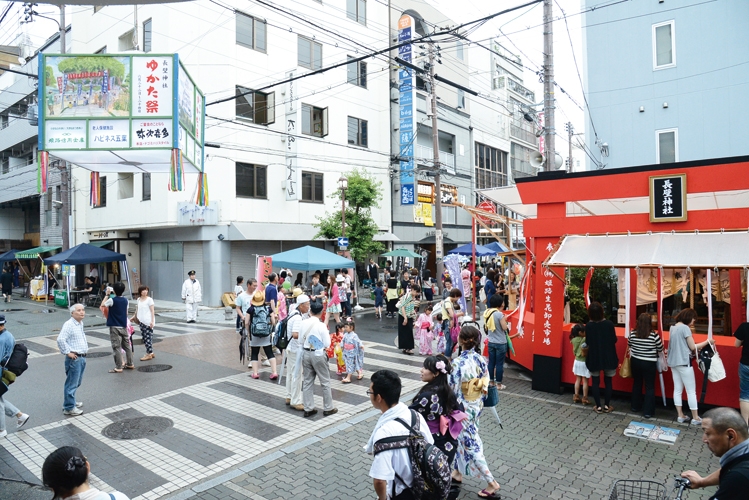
x=65 y=173
x=438 y=246
x=549 y=150
x=570 y=133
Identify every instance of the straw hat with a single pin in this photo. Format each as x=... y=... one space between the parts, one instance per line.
x=296 y=293
x=258 y=298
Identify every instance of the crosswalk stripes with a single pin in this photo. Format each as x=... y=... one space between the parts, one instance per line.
x=43 y=346
x=240 y=417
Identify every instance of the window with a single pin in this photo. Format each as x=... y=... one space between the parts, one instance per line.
x=251 y=181
x=146 y=187
x=124 y=186
x=312 y=187
x=357 y=72
x=6 y=165
x=102 y=192
x=310 y=53
x=126 y=41
x=251 y=32
x=459 y=50
x=357 y=131
x=147 y=36
x=166 y=251
x=257 y=107
x=664 y=45
x=356 y=10
x=314 y=120
x=667 y=145
x=461 y=99
x=490 y=167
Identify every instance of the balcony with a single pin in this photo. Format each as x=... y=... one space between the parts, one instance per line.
x=17 y=130
x=523 y=135
x=19 y=182
x=424 y=155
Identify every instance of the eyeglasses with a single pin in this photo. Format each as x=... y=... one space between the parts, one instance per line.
x=370 y=393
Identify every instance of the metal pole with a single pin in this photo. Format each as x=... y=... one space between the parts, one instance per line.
x=62 y=29
x=343 y=212
x=549 y=149
x=438 y=247
x=570 y=132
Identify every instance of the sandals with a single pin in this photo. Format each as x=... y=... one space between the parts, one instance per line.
x=598 y=409
x=576 y=399
x=115 y=370
x=345 y=381
x=130 y=367
x=255 y=376
x=486 y=494
x=608 y=409
x=586 y=401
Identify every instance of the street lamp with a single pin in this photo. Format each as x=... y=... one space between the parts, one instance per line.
x=343 y=186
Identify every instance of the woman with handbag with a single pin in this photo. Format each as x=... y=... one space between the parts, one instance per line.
x=145 y=317
x=644 y=346
x=406 y=317
x=470 y=383
x=600 y=336
x=681 y=345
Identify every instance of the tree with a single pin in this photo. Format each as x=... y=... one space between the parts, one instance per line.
x=362 y=194
x=603 y=289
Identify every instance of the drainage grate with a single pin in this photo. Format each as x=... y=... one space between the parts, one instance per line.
x=137 y=428
x=44 y=311
x=98 y=354
x=12 y=310
x=154 y=368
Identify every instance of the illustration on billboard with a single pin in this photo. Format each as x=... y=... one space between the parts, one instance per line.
x=87 y=86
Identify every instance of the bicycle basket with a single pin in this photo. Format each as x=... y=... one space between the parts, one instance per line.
x=629 y=489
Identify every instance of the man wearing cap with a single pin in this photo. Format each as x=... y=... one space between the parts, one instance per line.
x=315 y=338
x=294 y=376
x=7 y=343
x=73 y=345
x=192 y=294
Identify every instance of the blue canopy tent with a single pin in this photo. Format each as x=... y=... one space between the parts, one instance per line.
x=88 y=254
x=309 y=258
x=8 y=256
x=497 y=247
x=467 y=249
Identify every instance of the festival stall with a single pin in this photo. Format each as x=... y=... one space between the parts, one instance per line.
x=677 y=235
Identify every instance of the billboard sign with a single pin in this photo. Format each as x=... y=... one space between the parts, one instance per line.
x=407 y=111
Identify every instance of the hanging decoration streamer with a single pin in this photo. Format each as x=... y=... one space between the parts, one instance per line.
x=177 y=171
x=586 y=287
x=627 y=300
x=202 y=199
x=42 y=172
x=659 y=307
x=95 y=197
x=709 y=306
x=524 y=297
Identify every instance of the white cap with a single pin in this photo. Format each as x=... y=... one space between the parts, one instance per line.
x=302 y=299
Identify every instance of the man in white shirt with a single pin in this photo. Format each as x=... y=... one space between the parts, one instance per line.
x=192 y=294
x=315 y=338
x=293 y=378
x=384 y=393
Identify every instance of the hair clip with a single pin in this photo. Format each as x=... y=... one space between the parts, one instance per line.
x=73 y=463
x=440 y=365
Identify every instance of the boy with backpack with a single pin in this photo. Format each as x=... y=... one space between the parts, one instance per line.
x=400 y=441
x=7 y=347
x=260 y=322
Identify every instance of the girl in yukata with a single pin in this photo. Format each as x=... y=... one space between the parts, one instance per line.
x=353 y=352
x=469 y=381
x=425 y=325
x=336 y=349
x=438 y=333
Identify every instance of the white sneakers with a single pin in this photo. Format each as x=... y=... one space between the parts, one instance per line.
x=3 y=433
x=73 y=413
x=22 y=420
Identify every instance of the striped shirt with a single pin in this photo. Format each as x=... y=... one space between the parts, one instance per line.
x=646 y=349
x=72 y=338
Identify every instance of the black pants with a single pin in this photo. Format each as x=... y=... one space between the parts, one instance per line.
x=595 y=388
x=391 y=309
x=643 y=372
x=255 y=352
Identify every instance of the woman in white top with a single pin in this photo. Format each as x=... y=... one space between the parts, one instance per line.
x=680 y=346
x=65 y=472
x=146 y=319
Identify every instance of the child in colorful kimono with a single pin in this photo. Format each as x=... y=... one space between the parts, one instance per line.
x=336 y=350
x=438 y=333
x=353 y=352
x=425 y=326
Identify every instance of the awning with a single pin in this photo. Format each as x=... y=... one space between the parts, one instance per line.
x=669 y=250
x=33 y=253
x=100 y=243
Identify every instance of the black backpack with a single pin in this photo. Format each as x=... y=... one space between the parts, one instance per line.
x=18 y=360
x=282 y=340
x=431 y=470
x=260 y=324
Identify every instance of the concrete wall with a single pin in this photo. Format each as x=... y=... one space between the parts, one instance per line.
x=705 y=91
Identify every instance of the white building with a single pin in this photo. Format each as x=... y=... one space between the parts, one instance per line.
x=341 y=118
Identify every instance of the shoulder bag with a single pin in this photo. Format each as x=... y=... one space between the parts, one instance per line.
x=625 y=368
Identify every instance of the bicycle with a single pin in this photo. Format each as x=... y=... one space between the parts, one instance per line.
x=632 y=489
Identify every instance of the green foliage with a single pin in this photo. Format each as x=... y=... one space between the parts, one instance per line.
x=50 y=74
x=603 y=288
x=362 y=194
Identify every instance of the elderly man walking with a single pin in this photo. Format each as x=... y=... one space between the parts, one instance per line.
x=294 y=376
x=314 y=339
x=73 y=345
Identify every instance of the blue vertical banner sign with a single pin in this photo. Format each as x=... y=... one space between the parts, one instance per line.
x=407 y=112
